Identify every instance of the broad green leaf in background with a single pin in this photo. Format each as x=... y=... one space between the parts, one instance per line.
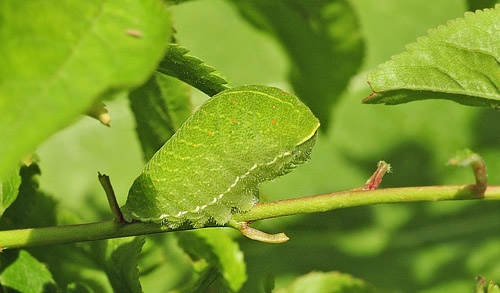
x=268 y=283
x=122 y=258
x=458 y=61
x=94 y=264
x=163 y=265
x=24 y=273
x=9 y=188
x=32 y=208
x=102 y=266
x=67 y=263
x=191 y=70
x=219 y=250
x=323 y=42
x=53 y=68
x=331 y=282
x=205 y=279
x=175 y=1
x=78 y=288
x=176 y=95
x=480 y=4
x=160 y=106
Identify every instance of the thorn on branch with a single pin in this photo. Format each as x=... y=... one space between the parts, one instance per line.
x=110 y=194
x=467 y=157
x=376 y=178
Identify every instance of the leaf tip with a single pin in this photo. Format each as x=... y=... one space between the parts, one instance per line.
x=370 y=99
x=99 y=112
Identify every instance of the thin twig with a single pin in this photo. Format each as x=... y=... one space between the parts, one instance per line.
x=110 y=194
x=311 y=204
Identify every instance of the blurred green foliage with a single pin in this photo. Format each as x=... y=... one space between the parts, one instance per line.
x=53 y=70
x=425 y=247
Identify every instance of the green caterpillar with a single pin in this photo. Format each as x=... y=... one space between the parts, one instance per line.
x=211 y=167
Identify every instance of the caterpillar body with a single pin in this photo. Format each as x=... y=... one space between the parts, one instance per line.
x=212 y=166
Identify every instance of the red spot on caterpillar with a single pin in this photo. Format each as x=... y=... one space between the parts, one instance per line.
x=282 y=93
x=274 y=106
x=209 y=132
x=291 y=94
x=273 y=122
x=187 y=126
x=203 y=111
x=234 y=101
x=234 y=120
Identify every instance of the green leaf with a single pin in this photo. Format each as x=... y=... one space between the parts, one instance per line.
x=54 y=68
x=22 y=272
x=191 y=70
x=9 y=189
x=480 y=4
x=481 y=286
x=331 y=282
x=83 y=263
x=163 y=265
x=218 y=249
x=99 y=112
x=99 y=266
x=205 y=280
x=323 y=41
x=268 y=283
x=160 y=107
x=32 y=208
x=80 y=264
x=170 y=2
x=458 y=61
x=122 y=258
x=493 y=288
x=234 y=141
x=78 y=288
